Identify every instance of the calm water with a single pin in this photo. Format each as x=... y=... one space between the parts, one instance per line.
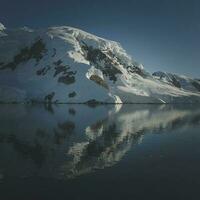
x=106 y=152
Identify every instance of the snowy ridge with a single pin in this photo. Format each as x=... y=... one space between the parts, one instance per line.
x=68 y=65
x=178 y=81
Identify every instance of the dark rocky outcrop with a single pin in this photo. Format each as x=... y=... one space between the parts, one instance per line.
x=175 y=82
x=72 y=94
x=99 y=81
x=96 y=57
x=43 y=71
x=49 y=98
x=36 y=51
x=67 y=77
x=196 y=85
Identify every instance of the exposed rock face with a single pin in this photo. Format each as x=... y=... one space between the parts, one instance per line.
x=36 y=51
x=178 y=81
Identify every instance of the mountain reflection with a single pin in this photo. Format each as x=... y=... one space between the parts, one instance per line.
x=67 y=141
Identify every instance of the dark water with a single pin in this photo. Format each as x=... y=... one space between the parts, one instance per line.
x=107 y=152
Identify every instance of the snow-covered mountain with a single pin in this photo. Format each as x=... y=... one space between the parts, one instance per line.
x=67 y=65
x=178 y=81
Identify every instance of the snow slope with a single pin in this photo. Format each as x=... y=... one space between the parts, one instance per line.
x=67 y=65
x=178 y=81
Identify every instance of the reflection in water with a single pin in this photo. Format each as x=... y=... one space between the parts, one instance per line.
x=67 y=141
x=72 y=111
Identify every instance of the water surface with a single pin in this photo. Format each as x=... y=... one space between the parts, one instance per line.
x=103 y=152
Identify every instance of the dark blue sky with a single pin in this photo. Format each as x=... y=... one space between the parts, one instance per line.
x=161 y=34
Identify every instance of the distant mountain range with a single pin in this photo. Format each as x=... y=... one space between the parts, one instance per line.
x=67 y=65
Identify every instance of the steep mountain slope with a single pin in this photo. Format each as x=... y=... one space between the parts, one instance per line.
x=178 y=81
x=67 y=65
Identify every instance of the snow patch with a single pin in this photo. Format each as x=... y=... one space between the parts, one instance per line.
x=116 y=99
x=162 y=100
x=140 y=66
x=78 y=57
x=94 y=71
